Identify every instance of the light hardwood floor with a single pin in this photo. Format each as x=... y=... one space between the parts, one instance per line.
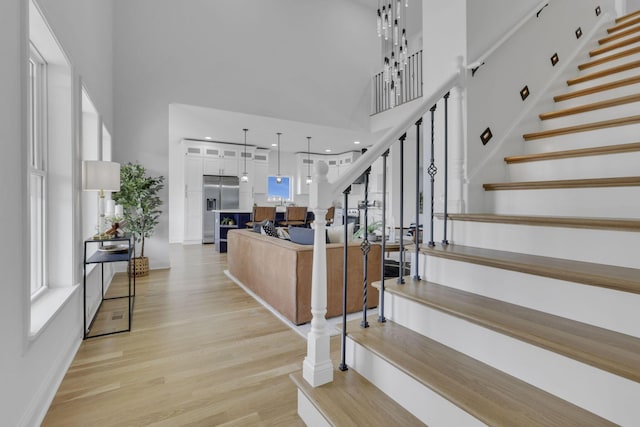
x=201 y=353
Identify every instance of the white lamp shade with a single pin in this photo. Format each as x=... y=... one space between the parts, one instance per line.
x=98 y=175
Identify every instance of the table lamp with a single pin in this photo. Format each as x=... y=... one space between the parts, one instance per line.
x=100 y=176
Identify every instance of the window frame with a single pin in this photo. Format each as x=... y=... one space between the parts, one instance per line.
x=277 y=198
x=37 y=170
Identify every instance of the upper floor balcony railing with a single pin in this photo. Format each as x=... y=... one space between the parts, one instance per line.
x=409 y=86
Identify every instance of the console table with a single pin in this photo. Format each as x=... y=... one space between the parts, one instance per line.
x=114 y=249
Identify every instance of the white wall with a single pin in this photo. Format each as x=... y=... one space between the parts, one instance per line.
x=84 y=28
x=31 y=369
x=492 y=95
x=298 y=60
x=488 y=20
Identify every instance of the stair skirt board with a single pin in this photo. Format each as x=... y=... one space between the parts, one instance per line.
x=597 y=391
x=612 y=202
x=425 y=404
x=309 y=413
x=601 y=307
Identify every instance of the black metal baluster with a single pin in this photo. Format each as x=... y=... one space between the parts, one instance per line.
x=432 y=171
x=345 y=221
x=446 y=167
x=381 y=317
x=401 y=248
x=416 y=236
x=365 y=246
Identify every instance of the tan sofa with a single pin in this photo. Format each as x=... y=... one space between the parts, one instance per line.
x=279 y=272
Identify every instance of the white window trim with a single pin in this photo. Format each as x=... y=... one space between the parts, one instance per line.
x=38 y=164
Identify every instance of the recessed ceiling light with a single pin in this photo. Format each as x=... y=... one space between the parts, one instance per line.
x=207 y=137
x=274 y=145
x=356 y=142
x=327 y=150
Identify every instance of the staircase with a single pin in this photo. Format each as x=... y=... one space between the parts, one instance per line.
x=531 y=316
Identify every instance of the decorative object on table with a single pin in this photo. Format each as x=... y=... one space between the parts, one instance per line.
x=227 y=221
x=140 y=200
x=100 y=176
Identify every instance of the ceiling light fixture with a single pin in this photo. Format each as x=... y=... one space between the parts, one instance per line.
x=278 y=176
x=395 y=46
x=207 y=137
x=245 y=176
x=356 y=142
x=327 y=150
x=309 y=180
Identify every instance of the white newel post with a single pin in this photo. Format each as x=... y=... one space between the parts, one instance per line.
x=317 y=368
x=457 y=173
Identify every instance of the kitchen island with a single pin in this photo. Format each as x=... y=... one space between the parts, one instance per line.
x=225 y=220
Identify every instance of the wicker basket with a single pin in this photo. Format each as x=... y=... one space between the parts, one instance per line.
x=141 y=265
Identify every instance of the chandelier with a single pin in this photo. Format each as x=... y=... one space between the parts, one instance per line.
x=395 y=45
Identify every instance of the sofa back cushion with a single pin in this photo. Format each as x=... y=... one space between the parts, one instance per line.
x=301 y=235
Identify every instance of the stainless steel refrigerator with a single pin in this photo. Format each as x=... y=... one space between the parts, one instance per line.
x=219 y=193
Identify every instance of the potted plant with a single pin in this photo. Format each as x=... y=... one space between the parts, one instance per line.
x=371 y=229
x=140 y=201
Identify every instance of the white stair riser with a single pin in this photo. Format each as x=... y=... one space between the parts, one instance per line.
x=597 y=96
x=595 y=138
x=597 y=391
x=309 y=413
x=426 y=405
x=589 y=245
x=605 y=79
x=612 y=63
x=610 y=202
x=605 y=308
x=601 y=166
x=610 y=113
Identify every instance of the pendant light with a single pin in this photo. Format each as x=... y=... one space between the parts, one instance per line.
x=245 y=176
x=278 y=176
x=309 y=180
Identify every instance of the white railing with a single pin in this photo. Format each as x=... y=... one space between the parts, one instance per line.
x=318 y=367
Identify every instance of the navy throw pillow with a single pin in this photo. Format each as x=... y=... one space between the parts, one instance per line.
x=301 y=235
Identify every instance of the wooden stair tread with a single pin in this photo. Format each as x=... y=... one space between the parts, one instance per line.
x=613 y=224
x=623 y=279
x=613 y=46
x=625 y=21
x=609 y=58
x=599 y=88
x=579 y=341
x=352 y=400
x=607 y=103
x=626 y=181
x=604 y=73
x=623 y=121
x=488 y=394
x=619 y=34
x=580 y=152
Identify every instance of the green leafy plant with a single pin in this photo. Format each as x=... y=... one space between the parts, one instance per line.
x=370 y=229
x=140 y=201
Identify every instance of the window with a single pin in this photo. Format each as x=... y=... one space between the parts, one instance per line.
x=37 y=170
x=278 y=191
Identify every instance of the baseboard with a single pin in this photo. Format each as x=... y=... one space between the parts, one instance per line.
x=39 y=404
